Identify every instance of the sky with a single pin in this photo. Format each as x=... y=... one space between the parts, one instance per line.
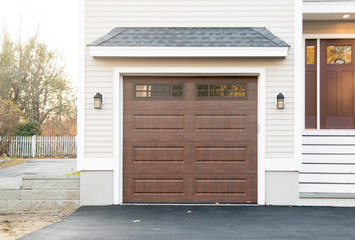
x=57 y=22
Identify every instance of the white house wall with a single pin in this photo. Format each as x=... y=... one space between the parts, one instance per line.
x=276 y=15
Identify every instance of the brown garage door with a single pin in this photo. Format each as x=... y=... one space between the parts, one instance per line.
x=190 y=139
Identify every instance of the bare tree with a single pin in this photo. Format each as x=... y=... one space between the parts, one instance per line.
x=33 y=77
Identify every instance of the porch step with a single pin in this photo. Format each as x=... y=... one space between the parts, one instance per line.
x=42 y=193
x=326 y=195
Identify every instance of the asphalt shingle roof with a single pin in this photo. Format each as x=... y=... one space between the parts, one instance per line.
x=189 y=37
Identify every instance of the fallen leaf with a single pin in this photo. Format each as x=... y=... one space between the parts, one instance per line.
x=136 y=221
x=188 y=211
x=217 y=203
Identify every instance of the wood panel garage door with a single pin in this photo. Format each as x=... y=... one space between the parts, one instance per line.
x=190 y=139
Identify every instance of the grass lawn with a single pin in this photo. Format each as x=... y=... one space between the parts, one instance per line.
x=9 y=161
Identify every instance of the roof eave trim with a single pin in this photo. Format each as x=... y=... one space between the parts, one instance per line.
x=328 y=7
x=112 y=51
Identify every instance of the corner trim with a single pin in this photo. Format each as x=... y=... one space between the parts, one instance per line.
x=298 y=89
x=81 y=88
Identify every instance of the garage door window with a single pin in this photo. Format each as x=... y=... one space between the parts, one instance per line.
x=161 y=90
x=218 y=90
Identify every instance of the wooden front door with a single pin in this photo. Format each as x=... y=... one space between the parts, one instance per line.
x=337 y=84
x=190 y=139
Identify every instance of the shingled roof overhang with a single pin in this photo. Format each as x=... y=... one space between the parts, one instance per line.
x=189 y=42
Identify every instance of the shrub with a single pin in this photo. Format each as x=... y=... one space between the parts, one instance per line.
x=29 y=128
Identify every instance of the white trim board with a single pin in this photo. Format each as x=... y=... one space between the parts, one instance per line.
x=108 y=51
x=328 y=7
x=295 y=164
x=329 y=132
x=98 y=164
x=119 y=72
x=328 y=36
x=81 y=87
x=282 y=164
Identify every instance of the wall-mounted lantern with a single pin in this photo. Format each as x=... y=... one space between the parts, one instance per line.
x=280 y=101
x=98 y=101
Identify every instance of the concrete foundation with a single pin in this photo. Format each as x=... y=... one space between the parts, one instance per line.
x=281 y=188
x=96 y=188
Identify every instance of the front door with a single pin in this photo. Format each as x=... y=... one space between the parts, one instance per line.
x=337 y=84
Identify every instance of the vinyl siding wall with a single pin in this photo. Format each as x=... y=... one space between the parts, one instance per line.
x=276 y=15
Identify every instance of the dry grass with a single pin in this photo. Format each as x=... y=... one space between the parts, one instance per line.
x=8 y=162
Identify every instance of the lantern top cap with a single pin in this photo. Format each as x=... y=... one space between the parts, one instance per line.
x=98 y=95
x=280 y=96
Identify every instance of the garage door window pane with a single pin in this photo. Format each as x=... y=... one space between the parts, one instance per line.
x=222 y=91
x=177 y=87
x=202 y=94
x=161 y=90
x=177 y=93
x=215 y=93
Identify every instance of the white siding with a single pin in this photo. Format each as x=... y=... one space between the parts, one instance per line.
x=328 y=165
x=104 y=15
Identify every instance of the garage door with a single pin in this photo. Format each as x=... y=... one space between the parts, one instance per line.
x=190 y=139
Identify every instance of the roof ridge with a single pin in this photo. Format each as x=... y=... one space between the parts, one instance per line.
x=263 y=31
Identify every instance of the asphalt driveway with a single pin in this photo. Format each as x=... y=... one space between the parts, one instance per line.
x=202 y=222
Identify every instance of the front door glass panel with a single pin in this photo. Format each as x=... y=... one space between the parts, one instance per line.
x=339 y=54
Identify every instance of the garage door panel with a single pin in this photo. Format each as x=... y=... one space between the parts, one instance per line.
x=210 y=186
x=181 y=170
x=220 y=154
x=159 y=123
x=191 y=189
x=143 y=154
x=152 y=156
x=190 y=150
x=158 y=155
x=220 y=123
x=162 y=186
x=228 y=139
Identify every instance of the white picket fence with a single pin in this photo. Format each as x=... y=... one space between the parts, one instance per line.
x=42 y=146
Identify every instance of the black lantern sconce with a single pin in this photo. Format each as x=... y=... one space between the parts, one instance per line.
x=280 y=101
x=98 y=101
